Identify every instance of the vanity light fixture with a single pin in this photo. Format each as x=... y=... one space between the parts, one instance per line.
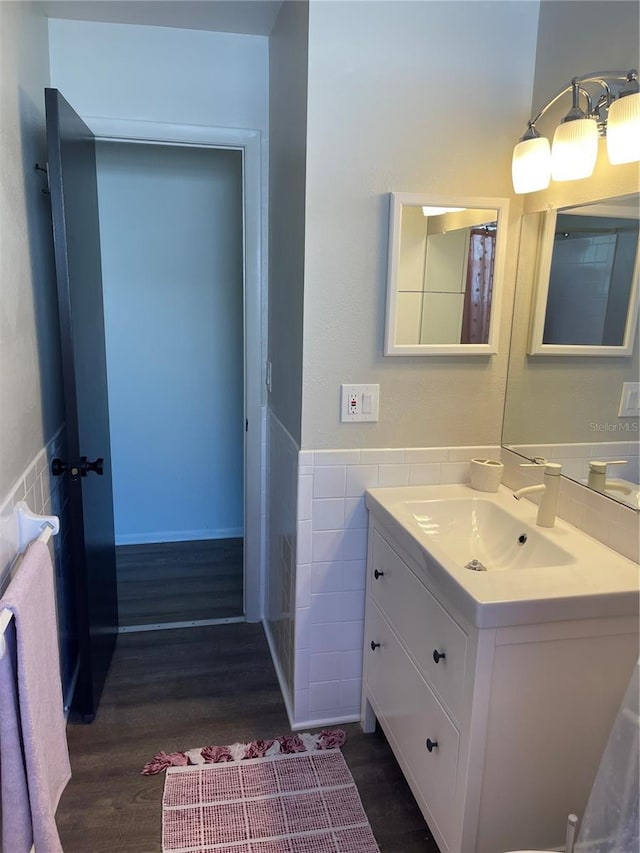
x=623 y=124
x=615 y=114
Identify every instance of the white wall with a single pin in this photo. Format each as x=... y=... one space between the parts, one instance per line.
x=30 y=379
x=171 y=240
x=421 y=97
x=287 y=163
x=161 y=74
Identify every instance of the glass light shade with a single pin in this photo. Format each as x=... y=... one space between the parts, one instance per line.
x=574 y=150
x=531 y=165
x=438 y=211
x=623 y=130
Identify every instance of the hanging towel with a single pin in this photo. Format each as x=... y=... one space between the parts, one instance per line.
x=16 y=814
x=30 y=597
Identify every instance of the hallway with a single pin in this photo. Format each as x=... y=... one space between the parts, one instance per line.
x=184 y=688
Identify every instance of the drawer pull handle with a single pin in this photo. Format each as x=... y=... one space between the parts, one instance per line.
x=378 y=574
x=437 y=656
x=374 y=646
x=431 y=744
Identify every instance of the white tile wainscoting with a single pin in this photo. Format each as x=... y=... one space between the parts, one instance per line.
x=42 y=494
x=331 y=564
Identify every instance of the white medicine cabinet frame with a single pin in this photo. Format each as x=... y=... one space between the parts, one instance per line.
x=541 y=304
x=420 y=303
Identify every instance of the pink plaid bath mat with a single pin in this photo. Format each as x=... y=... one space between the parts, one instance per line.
x=301 y=803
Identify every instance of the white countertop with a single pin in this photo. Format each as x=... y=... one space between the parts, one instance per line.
x=599 y=583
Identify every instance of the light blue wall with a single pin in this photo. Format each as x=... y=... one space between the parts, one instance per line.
x=171 y=232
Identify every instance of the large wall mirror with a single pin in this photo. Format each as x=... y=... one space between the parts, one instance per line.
x=580 y=409
x=445 y=274
x=587 y=280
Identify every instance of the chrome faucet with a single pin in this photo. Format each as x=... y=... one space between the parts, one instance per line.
x=598 y=477
x=549 y=491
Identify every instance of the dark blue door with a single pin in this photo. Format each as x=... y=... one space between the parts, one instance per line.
x=87 y=466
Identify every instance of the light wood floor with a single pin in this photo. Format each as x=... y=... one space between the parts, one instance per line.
x=179 y=581
x=185 y=688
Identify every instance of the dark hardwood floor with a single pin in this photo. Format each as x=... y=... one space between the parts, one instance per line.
x=179 y=581
x=184 y=688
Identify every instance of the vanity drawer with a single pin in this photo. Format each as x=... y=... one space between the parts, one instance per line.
x=412 y=719
x=436 y=642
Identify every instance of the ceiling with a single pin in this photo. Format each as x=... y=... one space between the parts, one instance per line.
x=250 y=17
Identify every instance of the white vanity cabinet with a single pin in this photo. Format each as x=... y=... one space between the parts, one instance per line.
x=498 y=730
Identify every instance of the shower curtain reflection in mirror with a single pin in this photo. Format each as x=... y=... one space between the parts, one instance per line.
x=479 y=286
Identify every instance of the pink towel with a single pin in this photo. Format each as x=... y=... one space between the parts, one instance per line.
x=16 y=816
x=30 y=597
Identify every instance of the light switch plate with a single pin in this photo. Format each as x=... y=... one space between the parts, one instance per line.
x=359 y=403
x=630 y=400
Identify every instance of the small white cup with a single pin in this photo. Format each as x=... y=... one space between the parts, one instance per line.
x=486 y=474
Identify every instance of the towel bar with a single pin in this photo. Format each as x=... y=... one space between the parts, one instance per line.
x=30 y=525
x=5 y=618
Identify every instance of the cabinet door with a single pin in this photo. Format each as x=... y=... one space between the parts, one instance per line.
x=436 y=642
x=425 y=740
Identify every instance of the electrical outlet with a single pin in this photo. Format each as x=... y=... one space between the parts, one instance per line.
x=629 y=400
x=359 y=403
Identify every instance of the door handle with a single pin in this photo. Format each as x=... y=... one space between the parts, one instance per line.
x=58 y=467
x=97 y=466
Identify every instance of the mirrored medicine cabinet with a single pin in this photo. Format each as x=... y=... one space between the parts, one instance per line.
x=445 y=274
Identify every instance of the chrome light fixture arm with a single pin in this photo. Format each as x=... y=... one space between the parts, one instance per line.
x=601 y=77
x=614 y=113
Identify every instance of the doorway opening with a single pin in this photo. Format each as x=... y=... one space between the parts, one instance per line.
x=217 y=497
x=171 y=232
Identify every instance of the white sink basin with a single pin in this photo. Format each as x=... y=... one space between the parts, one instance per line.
x=558 y=573
x=475 y=529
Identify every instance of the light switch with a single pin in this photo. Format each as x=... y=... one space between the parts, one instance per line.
x=629 y=400
x=359 y=403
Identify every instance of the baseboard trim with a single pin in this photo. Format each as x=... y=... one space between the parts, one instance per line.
x=279 y=674
x=325 y=722
x=158 y=537
x=167 y=626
